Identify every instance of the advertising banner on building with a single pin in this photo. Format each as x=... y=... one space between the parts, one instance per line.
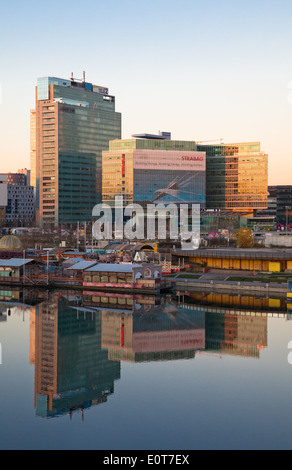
x=170 y=160
x=169 y=177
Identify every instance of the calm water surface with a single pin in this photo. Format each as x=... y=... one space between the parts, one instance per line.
x=190 y=371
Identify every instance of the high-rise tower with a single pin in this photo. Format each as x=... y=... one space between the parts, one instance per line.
x=74 y=122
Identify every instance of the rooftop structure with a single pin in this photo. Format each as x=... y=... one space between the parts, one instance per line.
x=10 y=243
x=114 y=268
x=160 y=136
x=15 y=262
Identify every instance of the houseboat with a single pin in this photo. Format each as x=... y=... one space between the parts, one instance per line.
x=144 y=277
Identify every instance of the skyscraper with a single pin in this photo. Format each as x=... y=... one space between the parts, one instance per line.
x=74 y=121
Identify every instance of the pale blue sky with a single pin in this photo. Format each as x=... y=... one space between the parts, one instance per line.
x=202 y=70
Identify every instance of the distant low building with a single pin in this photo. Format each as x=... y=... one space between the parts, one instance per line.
x=17 y=199
x=279 y=206
x=13 y=269
x=283 y=195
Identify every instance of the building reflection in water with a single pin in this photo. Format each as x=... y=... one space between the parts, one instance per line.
x=235 y=325
x=77 y=341
x=153 y=332
x=72 y=371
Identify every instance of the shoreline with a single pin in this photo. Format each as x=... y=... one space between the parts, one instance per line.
x=80 y=287
x=178 y=283
x=238 y=286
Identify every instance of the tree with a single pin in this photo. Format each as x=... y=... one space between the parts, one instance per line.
x=244 y=238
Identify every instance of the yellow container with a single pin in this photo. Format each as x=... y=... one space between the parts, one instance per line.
x=274 y=267
x=274 y=303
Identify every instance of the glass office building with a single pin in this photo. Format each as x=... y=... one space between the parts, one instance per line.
x=146 y=171
x=74 y=121
x=280 y=205
x=237 y=176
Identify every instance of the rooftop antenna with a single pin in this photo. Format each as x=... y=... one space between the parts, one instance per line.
x=83 y=76
x=72 y=79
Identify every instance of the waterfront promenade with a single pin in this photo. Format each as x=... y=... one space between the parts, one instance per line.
x=211 y=281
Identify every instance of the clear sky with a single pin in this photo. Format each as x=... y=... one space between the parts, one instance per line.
x=203 y=70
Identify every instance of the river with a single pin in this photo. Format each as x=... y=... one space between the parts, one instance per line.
x=98 y=371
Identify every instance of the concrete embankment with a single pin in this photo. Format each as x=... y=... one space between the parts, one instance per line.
x=234 y=286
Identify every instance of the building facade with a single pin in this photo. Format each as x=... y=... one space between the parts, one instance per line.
x=283 y=195
x=21 y=177
x=17 y=199
x=33 y=147
x=236 y=176
x=73 y=121
x=280 y=206
x=152 y=171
